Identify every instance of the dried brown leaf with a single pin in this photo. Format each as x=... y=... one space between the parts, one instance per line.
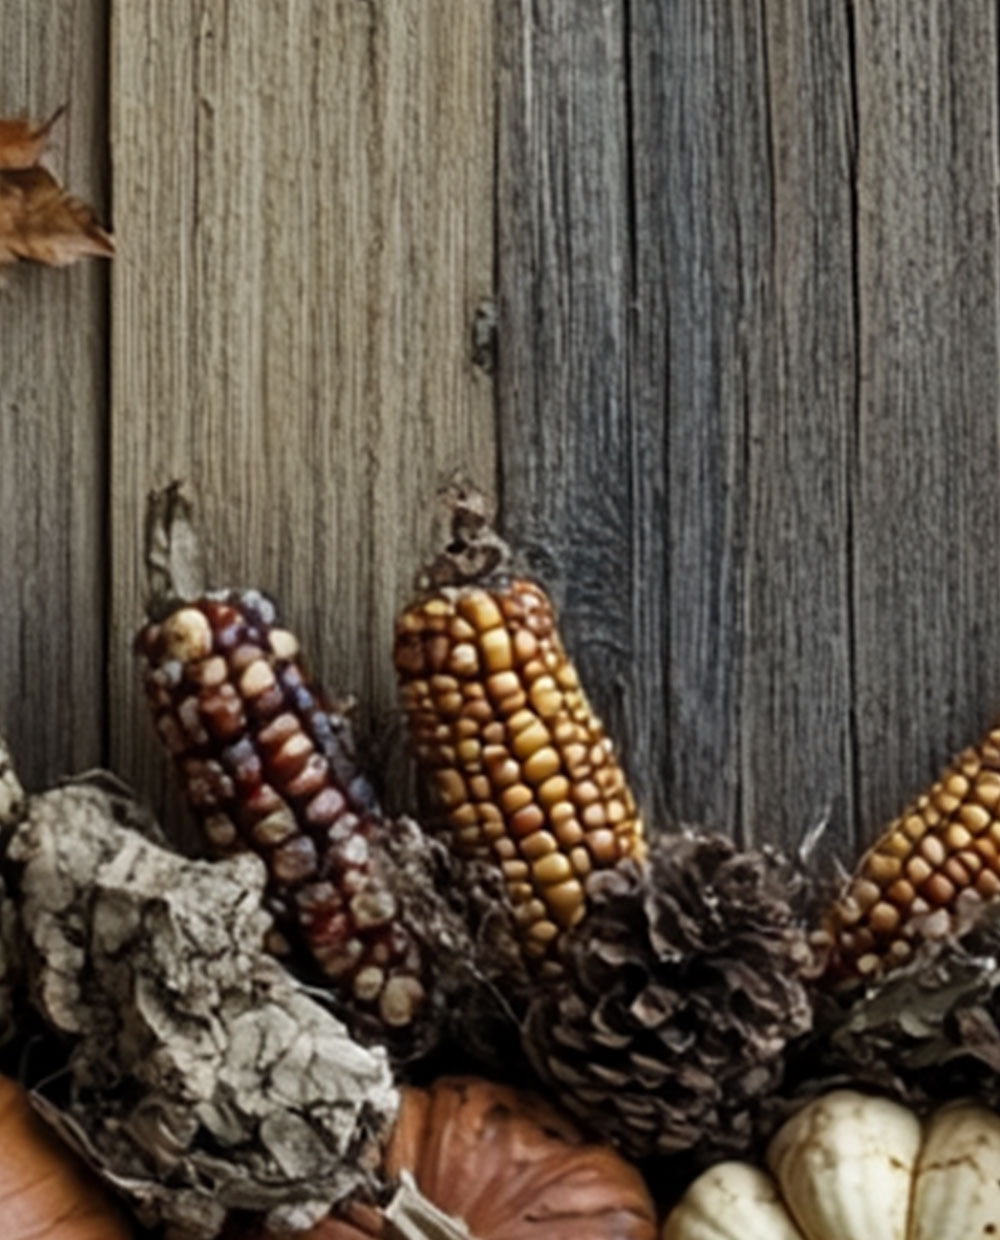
x=23 y=142
x=42 y=222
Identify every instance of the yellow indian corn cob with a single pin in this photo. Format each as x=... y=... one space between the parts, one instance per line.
x=940 y=856
x=517 y=766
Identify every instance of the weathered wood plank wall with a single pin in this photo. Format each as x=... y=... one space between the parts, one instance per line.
x=748 y=380
x=926 y=501
x=744 y=418
x=303 y=198
x=53 y=414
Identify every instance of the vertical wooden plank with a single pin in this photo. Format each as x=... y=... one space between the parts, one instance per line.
x=574 y=481
x=744 y=343
x=305 y=194
x=703 y=234
x=797 y=690
x=53 y=414
x=676 y=385
x=926 y=493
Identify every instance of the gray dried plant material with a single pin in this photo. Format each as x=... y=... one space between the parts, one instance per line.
x=682 y=990
x=432 y=898
x=462 y=916
x=412 y=1217
x=926 y=1030
x=174 y=557
x=476 y=979
x=201 y=1078
x=481 y=988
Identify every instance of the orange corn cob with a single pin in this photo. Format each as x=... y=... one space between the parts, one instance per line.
x=264 y=768
x=940 y=856
x=517 y=766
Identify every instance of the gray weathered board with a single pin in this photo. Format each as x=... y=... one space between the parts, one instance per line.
x=743 y=418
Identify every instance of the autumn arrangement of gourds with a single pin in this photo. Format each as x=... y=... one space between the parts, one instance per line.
x=659 y=1033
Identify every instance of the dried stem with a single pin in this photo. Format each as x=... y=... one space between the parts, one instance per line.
x=173 y=553
x=200 y=1077
x=412 y=1217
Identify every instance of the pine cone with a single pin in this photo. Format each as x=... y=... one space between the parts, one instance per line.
x=682 y=988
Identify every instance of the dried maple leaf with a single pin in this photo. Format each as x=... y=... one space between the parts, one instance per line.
x=39 y=219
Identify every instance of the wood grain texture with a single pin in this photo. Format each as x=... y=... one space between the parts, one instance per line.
x=747 y=276
x=925 y=485
x=796 y=577
x=573 y=489
x=53 y=413
x=676 y=386
x=304 y=191
x=704 y=233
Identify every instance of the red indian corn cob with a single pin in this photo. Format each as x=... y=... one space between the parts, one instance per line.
x=263 y=768
x=517 y=766
x=939 y=857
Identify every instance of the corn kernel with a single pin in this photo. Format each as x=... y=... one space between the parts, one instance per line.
x=553 y=868
x=542 y=764
x=533 y=737
x=541 y=844
x=496 y=648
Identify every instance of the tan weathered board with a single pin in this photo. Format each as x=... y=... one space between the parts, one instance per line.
x=304 y=196
x=53 y=413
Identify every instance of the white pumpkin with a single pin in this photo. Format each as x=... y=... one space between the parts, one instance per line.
x=852 y=1167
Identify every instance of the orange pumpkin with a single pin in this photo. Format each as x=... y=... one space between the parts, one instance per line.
x=46 y=1193
x=507 y=1164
